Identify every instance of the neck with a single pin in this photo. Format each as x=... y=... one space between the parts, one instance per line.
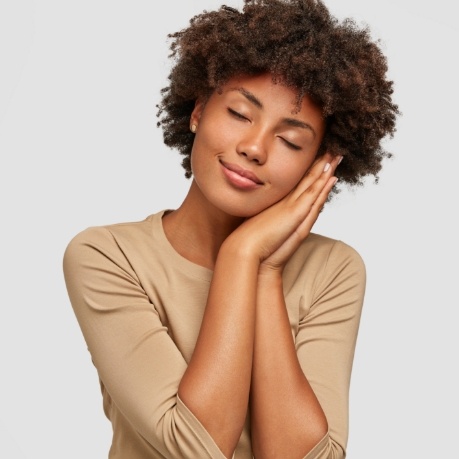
x=197 y=229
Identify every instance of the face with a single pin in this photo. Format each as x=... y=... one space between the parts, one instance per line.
x=252 y=144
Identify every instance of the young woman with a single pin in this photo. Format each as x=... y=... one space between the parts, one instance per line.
x=226 y=328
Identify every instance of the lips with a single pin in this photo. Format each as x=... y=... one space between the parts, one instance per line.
x=242 y=172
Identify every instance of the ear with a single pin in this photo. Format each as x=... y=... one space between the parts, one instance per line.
x=197 y=111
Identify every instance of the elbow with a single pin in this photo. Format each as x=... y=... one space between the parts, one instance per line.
x=326 y=448
x=321 y=427
x=178 y=434
x=316 y=432
x=303 y=437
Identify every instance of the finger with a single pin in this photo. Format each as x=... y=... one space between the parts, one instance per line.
x=305 y=227
x=311 y=174
x=323 y=195
x=290 y=213
x=301 y=232
x=322 y=169
x=309 y=195
x=306 y=204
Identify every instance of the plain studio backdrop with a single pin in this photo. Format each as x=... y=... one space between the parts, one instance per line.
x=79 y=146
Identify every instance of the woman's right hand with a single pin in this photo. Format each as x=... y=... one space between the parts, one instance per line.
x=274 y=234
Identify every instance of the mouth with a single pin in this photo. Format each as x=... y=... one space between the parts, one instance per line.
x=244 y=173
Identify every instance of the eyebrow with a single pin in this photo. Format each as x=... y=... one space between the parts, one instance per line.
x=289 y=121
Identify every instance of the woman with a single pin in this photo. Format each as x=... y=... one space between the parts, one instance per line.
x=225 y=328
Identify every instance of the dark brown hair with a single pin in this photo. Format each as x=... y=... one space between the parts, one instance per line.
x=298 y=41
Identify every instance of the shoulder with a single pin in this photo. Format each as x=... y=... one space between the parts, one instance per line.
x=113 y=241
x=324 y=253
x=329 y=274
x=339 y=252
x=324 y=264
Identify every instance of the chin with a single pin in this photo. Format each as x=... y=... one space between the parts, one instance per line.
x=240 y=210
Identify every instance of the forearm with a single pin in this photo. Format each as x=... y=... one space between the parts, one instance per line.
x=287 y=419
x=216 y=384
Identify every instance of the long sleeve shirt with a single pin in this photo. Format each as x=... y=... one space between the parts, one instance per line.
x=140 y=305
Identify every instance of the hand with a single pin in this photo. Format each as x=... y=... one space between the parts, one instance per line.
x=274 y=234
x=312 y=191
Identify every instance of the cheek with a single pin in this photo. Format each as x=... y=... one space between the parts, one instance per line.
x=199 y=161
x=289 y=176
x=207 y=145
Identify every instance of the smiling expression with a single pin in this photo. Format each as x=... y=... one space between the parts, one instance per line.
x=252 y=144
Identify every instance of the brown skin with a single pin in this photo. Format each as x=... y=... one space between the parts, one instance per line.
x=335 y=62
x=247 y=236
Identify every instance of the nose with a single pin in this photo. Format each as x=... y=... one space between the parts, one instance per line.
x=253 y=147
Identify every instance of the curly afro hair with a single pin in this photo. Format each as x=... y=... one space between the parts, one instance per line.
x=335 y=63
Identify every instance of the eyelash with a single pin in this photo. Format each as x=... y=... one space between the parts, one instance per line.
x=236 y=114
x=242 y=117
x=291 y=145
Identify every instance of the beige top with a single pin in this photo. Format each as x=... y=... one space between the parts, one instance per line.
x=140 y=305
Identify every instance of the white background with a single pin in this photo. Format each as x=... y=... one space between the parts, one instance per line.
x=79 y=147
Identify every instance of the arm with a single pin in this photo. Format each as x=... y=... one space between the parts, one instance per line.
x=325 y=345
x=216 y=383
x=136 y=359
x=327 y=334
x=288 y=416
x=287 y=419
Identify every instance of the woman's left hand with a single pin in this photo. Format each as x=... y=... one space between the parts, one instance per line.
x=274 y=264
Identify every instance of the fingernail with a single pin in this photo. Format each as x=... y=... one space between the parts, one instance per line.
x=340 y=159
x=327 y=166
x=336 y=179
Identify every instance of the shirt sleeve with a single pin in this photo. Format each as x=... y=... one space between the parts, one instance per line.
x=136 y=359
x=326 y=341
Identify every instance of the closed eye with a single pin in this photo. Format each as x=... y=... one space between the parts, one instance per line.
x=290 y=144
x=237 y=114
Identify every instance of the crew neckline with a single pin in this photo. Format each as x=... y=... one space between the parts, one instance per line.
x=178 y=260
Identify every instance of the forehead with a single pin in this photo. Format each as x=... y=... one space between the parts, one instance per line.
x=263 y=84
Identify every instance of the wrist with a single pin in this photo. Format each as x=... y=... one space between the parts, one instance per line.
x=270 y=275
x=240 y=250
